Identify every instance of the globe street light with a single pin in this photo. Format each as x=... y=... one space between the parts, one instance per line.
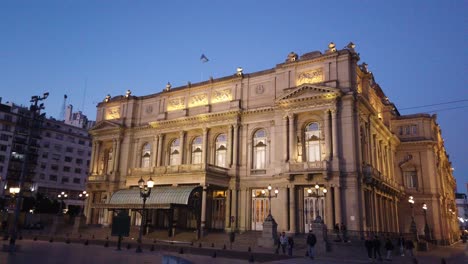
x=427 y=233
x=413 y=228
x=83 y=197
x=269 y=189
x=145 y=192
x=62 y=196
x=317 y=195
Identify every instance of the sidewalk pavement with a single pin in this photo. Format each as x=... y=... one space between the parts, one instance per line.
x=353 y=252
x=39 y=252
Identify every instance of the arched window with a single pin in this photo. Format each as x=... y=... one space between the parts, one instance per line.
x=259 y=149
x=146 y=155
x=221 y=150
x=174 y=154
x=312 y=142
x=197 y=150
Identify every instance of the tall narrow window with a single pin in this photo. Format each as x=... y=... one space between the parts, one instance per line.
x=174 y=154
x=197 y=150
x=146 y=155
x=221 y=150
x=259 y=147
x=411 y=179
x=312 y=142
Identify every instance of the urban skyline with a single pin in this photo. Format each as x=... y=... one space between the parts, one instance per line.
x=90 y=49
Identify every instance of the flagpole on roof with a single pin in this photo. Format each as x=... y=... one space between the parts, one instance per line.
x=203 y=59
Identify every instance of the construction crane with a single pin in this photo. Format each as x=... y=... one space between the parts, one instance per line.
x=62 y=110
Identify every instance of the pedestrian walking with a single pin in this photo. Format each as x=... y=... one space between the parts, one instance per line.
x=409 y=247
x=290 y=245
x=336 y=230
x=277 y=242
x=369 y=246
x=283 y=242
x=311 y=241
x=344 y=232
x=401 y=245
x=376 y=246
x=232 y=238
x=389 y=247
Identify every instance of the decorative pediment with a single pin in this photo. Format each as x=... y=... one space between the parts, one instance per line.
x=307 y=91
x=106 y=125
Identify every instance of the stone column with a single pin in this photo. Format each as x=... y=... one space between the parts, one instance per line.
x=335 y=134
x=93 y=155
x=154 y=151
x=292 y=210
x=329 y=210
x=136 y=153
x=338 y=204
x=229 y=146
x=292 y=139
x=285 y=215
x=117 y=156
x=160 y=151
x=182 y=147
x=326 y=132
x=377 y=212
x=234 y=202
x=203 y=212
x=285 y=135
x=96 y=158
x=235 y=145
x=205 y=146
x=227 y=212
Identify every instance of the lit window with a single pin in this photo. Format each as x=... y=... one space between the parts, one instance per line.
x=312 y=142
x=146 y=155
x=174 y=154
x=259 y=146
x=411 y=179
x=197 y=150
x=221 y=150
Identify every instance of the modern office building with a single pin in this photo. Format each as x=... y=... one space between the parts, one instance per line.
x=317 y=128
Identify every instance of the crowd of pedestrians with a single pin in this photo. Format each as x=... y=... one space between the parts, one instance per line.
x=373 y=246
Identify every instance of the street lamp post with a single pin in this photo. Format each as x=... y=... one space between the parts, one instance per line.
x=317 y=195
x=269 y=190
x=413 y=228
x=427 y=232
x=83 y=197
x=145 y=192
x=62 y=196
x=35 y=110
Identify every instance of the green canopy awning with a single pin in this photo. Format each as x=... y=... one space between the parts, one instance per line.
x=161 y=197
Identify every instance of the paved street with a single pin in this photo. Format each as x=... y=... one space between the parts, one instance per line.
x=58 y=252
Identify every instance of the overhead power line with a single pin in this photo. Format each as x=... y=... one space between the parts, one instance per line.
x=429 y=105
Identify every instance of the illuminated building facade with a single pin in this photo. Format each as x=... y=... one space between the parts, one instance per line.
x=214 y=147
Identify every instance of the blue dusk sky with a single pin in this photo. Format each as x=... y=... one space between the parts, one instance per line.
x=417 y=50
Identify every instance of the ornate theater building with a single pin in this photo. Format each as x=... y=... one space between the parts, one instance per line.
x=317 y=128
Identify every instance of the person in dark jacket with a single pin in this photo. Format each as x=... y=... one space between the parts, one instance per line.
x=401 y=245
x=368 y=244
x=389 y=247
x=376 y=246
x=409 y=247
x=311 y=241
x=336 y=230
x=290 y=245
